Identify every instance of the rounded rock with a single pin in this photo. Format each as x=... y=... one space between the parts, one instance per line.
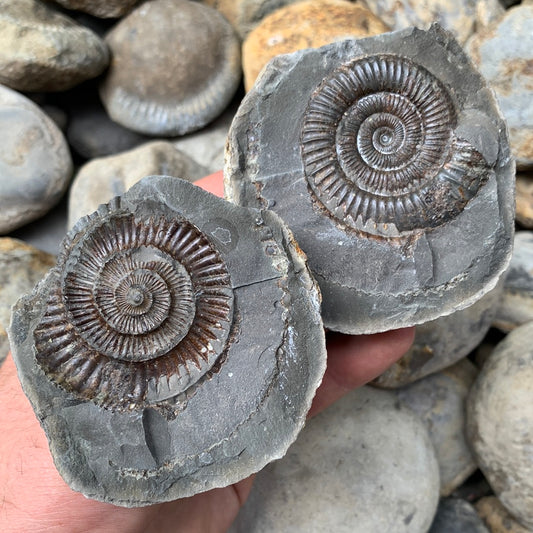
x=457 y=516
x=362 y=465
x=100 y=180
x=503 y=52
x=499 y=414
x=43 y=50
x=387 y=150
x=100 y=8
x=440 y=401
x=308 y=24
x=35 y=162
x=175 y=348
x=524 y=200
x=190 y=80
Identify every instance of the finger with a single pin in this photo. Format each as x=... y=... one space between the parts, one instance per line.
x=354 y=360
x=212 y=183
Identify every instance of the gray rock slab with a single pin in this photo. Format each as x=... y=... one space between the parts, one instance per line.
x=35 y=162
x=100 y=180
x=393 y=236
x=457 y=516
x=364 y=465
x=503 y=52
x=516 y=306
x=21 y=267
x=444 y=341
x=500 y=422
x=440 y=400
x=44 y=50
x=184 y=86
x=175 y=348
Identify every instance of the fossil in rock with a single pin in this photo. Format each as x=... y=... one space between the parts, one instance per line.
x=175 y=329
x=389 y=160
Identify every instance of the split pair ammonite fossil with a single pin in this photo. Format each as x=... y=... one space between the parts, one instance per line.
x=178 y=343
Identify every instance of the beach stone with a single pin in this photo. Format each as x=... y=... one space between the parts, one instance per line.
x=444 y=341
x=524 y=200
x=497 y=518
x=500 y=422
x=21 y=267
x=516 y=305
x=503 y=52
x=183 y=87
x=439 y=400
x=308 y=24
x=457 y=516
x=456 y=16
x=391 y=242
x=100 y=8
x=365 y=464
x=35 y=163
x=43 y=50
x=100 y=180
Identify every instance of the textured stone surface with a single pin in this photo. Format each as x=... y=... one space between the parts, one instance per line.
x=500 y=422
x=456 y=16
x=503 y=52
x=21 y=267
x=440 y=401
x=185 y=85
x=444 y=341
x=497 y=518
x=42 y=50
x=35 y=163
x=100 y=8
x=524 y=200
x=308 y=24
x=320 y=139
x=516 y=306
x=457 y=516
x=364 y=465
x=190 y=345
x=100 y=180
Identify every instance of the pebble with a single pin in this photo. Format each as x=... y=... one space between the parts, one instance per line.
x=187 y=83
x=500 y=422
x=100 y=8
x=35 y=163
x=503 y=52
x=43 y=50
x=524 y=200
x=443 y=341
x=497 y=518
x=516 y=306
x=308 y=24
x=100 y=180
x=21 y=267
x=457 y=16
x=439 y=400
x=457 y=516
x=365 y=464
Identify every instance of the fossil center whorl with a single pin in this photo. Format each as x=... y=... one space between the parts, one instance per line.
x=142 y=311
x=377 y=141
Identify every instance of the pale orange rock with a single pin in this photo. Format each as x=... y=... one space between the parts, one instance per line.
x=308 y=24
x=496 y=517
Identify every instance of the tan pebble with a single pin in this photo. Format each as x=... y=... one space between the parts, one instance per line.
x=524 y=200
x=308 y=24
x=496 y=517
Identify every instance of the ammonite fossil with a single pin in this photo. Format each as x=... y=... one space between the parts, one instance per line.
x=175 y=329
x=388 y=158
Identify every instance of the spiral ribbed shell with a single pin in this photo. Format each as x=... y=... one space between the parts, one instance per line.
x=379 y=148
x=143 y=310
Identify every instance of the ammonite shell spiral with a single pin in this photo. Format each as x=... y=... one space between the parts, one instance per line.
x=388 y=158
x=175 y=347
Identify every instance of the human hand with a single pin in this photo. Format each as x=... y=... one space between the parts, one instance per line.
x=34 y=497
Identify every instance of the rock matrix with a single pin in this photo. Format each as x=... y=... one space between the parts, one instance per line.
x=35 y=162
x=398 y=231
x=500 y=422
x=175 y=348
x=187 y=83
x=43 y=50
